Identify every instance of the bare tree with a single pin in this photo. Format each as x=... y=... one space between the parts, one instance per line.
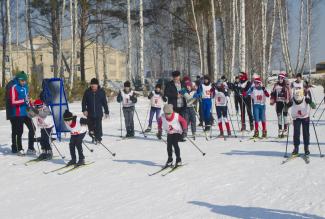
x=215 y=49
x=9 y=37
x=242 y=36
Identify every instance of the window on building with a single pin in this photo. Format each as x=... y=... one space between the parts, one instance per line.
x=7 y=58
x=52 y=68
x=78 y=54
x=77 y=67
x=41 y=58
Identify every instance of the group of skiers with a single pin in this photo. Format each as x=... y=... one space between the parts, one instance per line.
x=182 y=102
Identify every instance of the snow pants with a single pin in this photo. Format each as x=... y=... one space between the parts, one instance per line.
x=190 y=117
x=153 y=111
x=76 y=142
x=206 y=111
x=17 y=129
x=297 y=123
x=128 y=113
x=172 y=141
x=45 y=139
x=282 y=113
x=95 y=128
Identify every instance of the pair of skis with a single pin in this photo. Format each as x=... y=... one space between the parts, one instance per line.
x=67 y=169
x=292 y=157
x=169 y=168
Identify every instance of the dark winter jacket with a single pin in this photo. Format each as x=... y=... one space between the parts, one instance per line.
x=171 y=93
x=16 y=99
x=94 y=102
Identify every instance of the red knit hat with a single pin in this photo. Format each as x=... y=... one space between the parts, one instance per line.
x=258 y=80
x=243 y=76
x=282 y=74
x=38 y=103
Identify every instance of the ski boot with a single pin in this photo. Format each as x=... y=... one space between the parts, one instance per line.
x=285 y=132
x=42 y=156
x=169 y=162
x=81 y=162
x=148 y=129
x=264 y=134
x=207 y=128
x=228 y=133
x=21 y=153
x=178 y=162
x=128 y=134
x=256 y=134
x=132 y=133
x=243 y=128
x=280 y=133
x=193 y=136
x=71 y=162
x=295 y=151
x=221 y=135
x=48 y=155
x=31 y=151
x=251 y=125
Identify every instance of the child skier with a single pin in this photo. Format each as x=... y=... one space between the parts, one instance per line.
x=191 y=98
x=205 y=92
x=175 y=126
x=221 y=101
x=156 y=99
x=245 y=101
x=128 y=99
x=259 y=94
x=300 y=113
x=78 y=129
x=44 y=120
x=281 y=96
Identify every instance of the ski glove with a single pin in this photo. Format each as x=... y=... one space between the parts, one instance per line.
x=83 y=121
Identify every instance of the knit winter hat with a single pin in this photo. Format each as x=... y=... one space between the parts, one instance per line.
x=67 y=116
x=38 y=103
x=188 y=84
x=22 y=76
x=258 y=80
x=168 y=109
x=158 y=86
x=94 y=81
x=127 y=84
x=282 y=75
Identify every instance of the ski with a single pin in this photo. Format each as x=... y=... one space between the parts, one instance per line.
x=290 y=158
x=159 y=171
x=36 y=160
x=58 y=169
x=173 y=169
x=306 y=158
x=75 y=167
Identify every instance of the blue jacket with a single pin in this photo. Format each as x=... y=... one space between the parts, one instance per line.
x=17 y=99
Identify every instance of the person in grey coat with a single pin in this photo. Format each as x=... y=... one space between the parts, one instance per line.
x=128 y=98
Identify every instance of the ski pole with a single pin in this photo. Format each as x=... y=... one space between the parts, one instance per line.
x=320 y=117
x=35 y=135
x=57 y=149
x=113 y=154
x=197 y=147
x=90 y=149
x=233 y=128
x=121 y=125
x=136 y=113
x=286 y=153
x=318 y=107
x=320 y=152
x=145 y=121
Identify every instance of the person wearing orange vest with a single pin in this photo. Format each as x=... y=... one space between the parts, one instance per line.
x=175 y=126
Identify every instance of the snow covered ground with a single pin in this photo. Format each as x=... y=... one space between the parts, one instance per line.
x=234 y=180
